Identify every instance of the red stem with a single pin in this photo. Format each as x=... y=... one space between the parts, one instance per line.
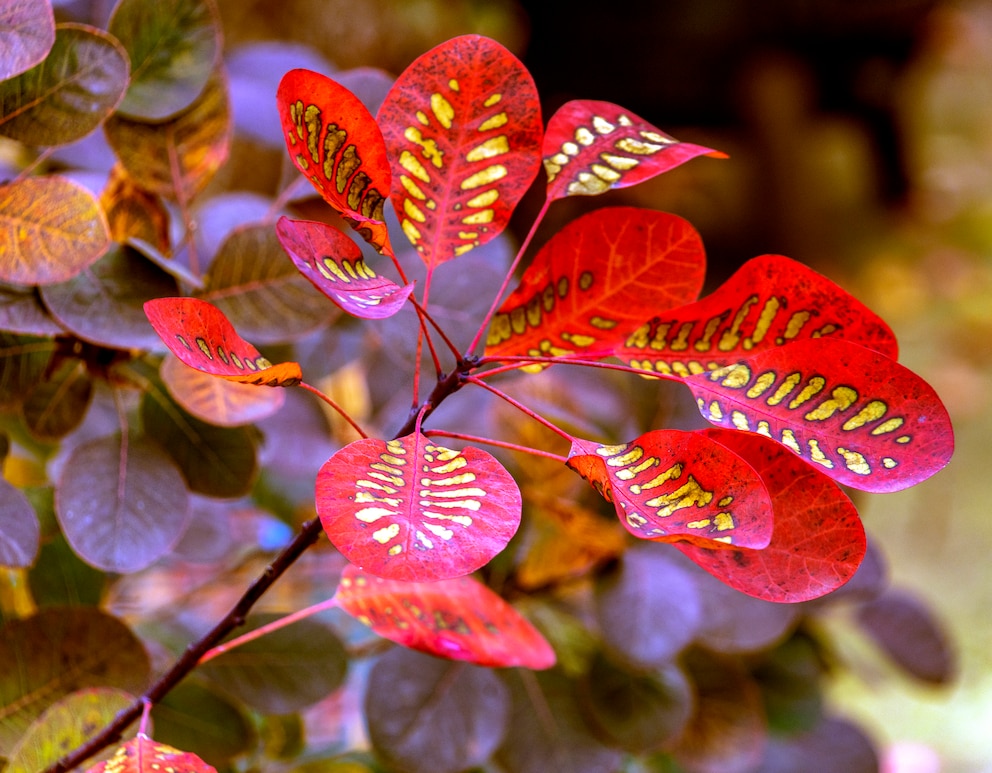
x=340 y=411
x=497 y=443
x=519 y=406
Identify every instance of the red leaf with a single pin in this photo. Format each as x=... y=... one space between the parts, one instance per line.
x=458 y=619
x=201 y=336
x=143 y=755
x=859 y=417
x=408 y=509
x=670 y=485
x=596 y=280
x=770 y=301
x=334 y=265
x=591 y=147
x=817 y=543
x=334 y=140
x=463 y=129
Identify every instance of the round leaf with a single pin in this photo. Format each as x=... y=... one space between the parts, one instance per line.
x=50 y=230
x=19 y=530
x=122 y=506
x=434 y=716
x=70 y=93
x=143 y=755
x=27 y=33
x=409 y=509
x=459 y=619
x=173 y=46
x=56 y=652
x=283 y=671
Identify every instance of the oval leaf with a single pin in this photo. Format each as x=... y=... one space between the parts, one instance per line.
x=67 y=724
x=201 y=336
x=334 y=265
x=26 y=36
x=19 y=529
x=596 y=280
x=408 y=509
x=857 y=416
x=50 y=230
x=591 y=147
x=431 y=716
x=173 y=46
x=670 y=485
x=463 y=128
x=818 y=541
x=176 y=158
x=70 y=93
x=334 y=140
x=458 y=619
x=769 y=301
x=121 y=507
x=102 y=304
x=216 y=400
x=56 y=652
x=143 y=755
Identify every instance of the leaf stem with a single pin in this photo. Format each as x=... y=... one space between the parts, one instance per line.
x=497 y=443
x=519 y=406
x=340 y=411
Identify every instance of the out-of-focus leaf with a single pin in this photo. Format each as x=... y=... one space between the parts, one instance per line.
x=23 y=362
x=173 y=46
x=462 y=125
x=909 y=633
x=56 y=652
x=133 y=213
x=791 y=678
x=19 y=529
x=21 y=311
x=727 y=731
x=335 y=142
x=209 y=538
x=596 y=280
x=768 y=302
x=650 y=609
x=333 y=263
x=817 y=541
x=27 y=32
x=122 y=506
x=433 y=716
x=103 y=304
x=58 y=404
x=283 y=671
x=855 y=415
x=143 y=755
x=50 y=230
x=61 y=578
x=369 y=84
x=177 y=158
x=66 y=724
x=669 y=485
x=458 y=619
x=71 y=92
x=216 y=400
x=199 y=334
x=639 y=712
x=547 y=731
x=215 y=461
x=260 y=291
x=409 y=509
x=833 y=745
x=591 y=147
x=203 y=722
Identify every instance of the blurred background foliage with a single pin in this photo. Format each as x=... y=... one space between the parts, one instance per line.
x=860 y=136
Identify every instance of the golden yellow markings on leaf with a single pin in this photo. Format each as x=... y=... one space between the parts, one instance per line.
x=386 y=533
x=888 y=462
x=765 y=318
x=788 y=384
x=855 y=462
x=789 y=440
x=442 y=109
x=731 y=337
x=311 y=117
x=740 y=420
x=689 y=494
x=655 y=137
x=584 y=137
x=184 y=342
x=673 y=472
x=888 y=426
x=296 y=118
x=620 y=163
x=486 y=176
x=705 y=341
x=681 y=341
x=579 y=339
x=623 y=459
x=333 y=141
x=841 y=399
x=223 y=355
x=602 y=323
x=587 y=184
x=762 y=384
x=413 y=211
x=873 y=411
x=237 y=361
x=428 y=147
x=732 y=376
x=723 y=521
x=203 y=347
x=484 y=199
x=605 y=173
x=813 y=387
x=492 y=99
x=331 y=270
x=796 y=323
x=816 y=455
x=350 y=161
x=373 y=514
x=716 y=414
x=698 y=524
x=494 y=146
x=422 y=117
x=411 y=231
x=494 y=122
x=395 y=550
x=376 y=486
x=601 y=125
x=637 y=147
x=763 y=428
x=658 y=342
x=412 y=164
x=903 y=439
x=439 y=531
x=479 y=218
x=461 y=520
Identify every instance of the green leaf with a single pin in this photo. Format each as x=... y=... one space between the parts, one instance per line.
x=19 y=529
x=50 y=229
x=66 y=724
x=56 y=652
x=216 y=461
x=201 y=721
x=433 y=716
x=70 y=93
x=174 y=46
x=122 y=504
x=59 y=577
x=260 y=291
x=27 y=33
x=23 y=361
x=283 y=671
